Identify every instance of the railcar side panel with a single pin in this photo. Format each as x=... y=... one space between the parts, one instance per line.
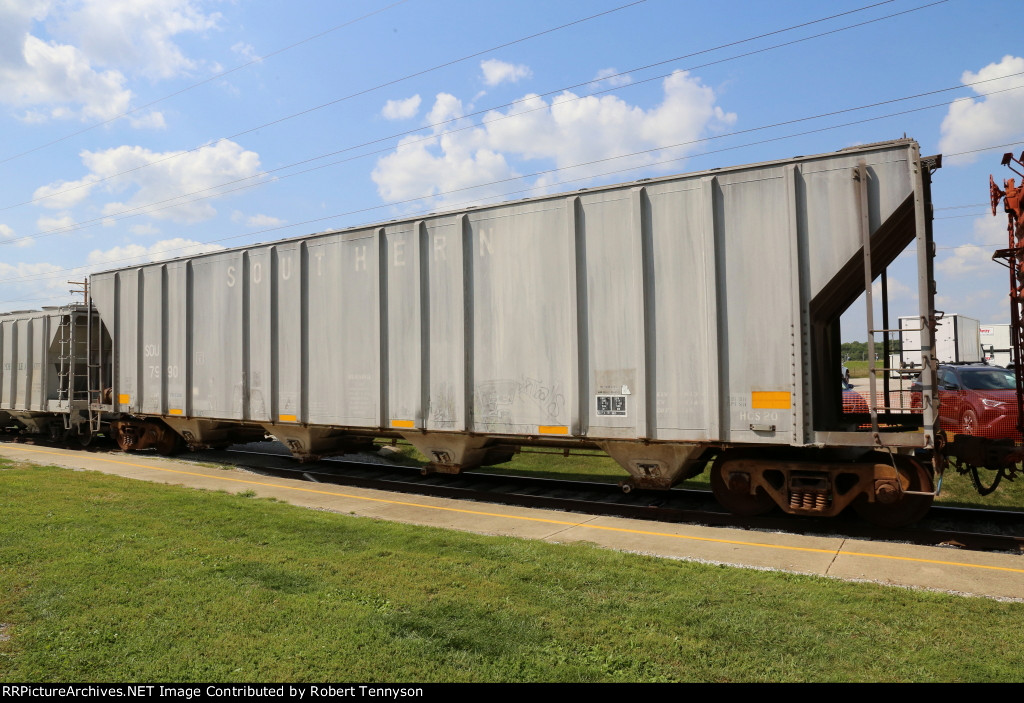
x=611 y=252
x=217 y=329
x=522 y=319
x=25 y=369
x=755 y=233
x=685 y=329
x=404 y=326
x=832 y=215
x=259 y=280
x=289 y=309
x=175 y=345
x=6 y=363
x=126 y=336
x=446 y=311
x=153 y=341
x=343 y=330
x=40 y=346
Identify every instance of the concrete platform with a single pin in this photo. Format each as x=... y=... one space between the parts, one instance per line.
x=936 y=568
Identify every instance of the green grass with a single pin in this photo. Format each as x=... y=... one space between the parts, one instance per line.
x=958 y=490
x=584 y=465
x=858 y=369
x=108 y=579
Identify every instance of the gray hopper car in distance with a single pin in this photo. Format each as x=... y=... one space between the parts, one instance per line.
x=672 y=322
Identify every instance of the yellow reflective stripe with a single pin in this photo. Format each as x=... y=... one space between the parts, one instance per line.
x=771 y=400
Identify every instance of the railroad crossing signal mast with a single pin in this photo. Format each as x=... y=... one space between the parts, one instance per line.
x=1012 y=198
x=1002 y=456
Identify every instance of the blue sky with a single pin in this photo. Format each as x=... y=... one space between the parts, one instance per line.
x=265 y=130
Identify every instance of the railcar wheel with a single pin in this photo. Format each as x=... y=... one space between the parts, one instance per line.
x=736 y=500
x=909 y=508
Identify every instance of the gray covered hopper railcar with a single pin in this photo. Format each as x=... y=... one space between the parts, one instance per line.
x=667 y=321
x=44 y=386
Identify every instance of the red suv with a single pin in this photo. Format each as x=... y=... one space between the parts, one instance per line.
x=976 y=400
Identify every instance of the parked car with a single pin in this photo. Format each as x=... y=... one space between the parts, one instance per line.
x=975 y=399
x=853 y=402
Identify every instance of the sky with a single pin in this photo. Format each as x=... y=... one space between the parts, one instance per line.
x=137 y=130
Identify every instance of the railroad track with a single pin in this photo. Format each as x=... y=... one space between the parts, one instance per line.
x=966 y=528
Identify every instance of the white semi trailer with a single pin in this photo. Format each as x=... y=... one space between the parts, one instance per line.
x=995 y=344
x=957 y=341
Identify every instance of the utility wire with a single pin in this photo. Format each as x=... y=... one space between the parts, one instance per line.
x=60 y=271
x=258 y=59
x=510 y=115
x=986 y=148
x=149 y=208
x=521 y=100
x=501 y=196
x=365 y=91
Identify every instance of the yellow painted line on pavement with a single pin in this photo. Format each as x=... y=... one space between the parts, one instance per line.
x=549 y=521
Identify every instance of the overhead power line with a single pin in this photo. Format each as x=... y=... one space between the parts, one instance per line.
x=258 y=59
x=148 y=208
x=985 y=148
x=186 y=198
x=431 y=211
x=365 y=91
x=515 y=102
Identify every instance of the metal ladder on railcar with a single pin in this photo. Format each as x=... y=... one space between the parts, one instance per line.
x=66 y=369
x=873 y=405
x=93 y=364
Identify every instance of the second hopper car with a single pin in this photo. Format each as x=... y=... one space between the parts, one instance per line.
x=673 y=322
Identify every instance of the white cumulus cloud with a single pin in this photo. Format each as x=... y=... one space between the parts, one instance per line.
x=566 y=132
x=157 y=177
x=264 y=221
x=47 y=224
x=79 y=70
x=401 y=109
x=497 y=72
x=36 y=279
x=975 y=259
x=136 y=253
x=975 y=123
x=47 y=77
x=246 y=51
x=612 y=77
x=150 y=120
x=144 y=229
x=968 y=260
x=137 y=35
x=446 y=107
x=7 y=235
